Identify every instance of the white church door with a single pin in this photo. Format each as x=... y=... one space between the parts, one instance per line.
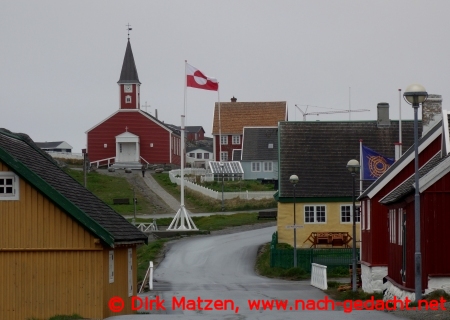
x=127 y=152
x=127 y=147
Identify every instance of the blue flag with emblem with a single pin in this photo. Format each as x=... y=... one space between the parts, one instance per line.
x=374 y=164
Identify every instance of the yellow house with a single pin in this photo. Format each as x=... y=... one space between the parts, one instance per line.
x=318 y=153
x=62 y=250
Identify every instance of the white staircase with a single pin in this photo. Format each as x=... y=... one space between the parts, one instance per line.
x=134 y=165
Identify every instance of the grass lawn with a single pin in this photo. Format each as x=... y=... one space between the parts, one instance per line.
x=196 y=202
x=108 y=188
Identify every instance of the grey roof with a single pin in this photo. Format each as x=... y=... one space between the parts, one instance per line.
x=20 y=153
x=260 y=143
x=403 y=158
x=194 y=129
x=236 y=156
x=407 y=186
x=171 y=127
x=129 y=72
x=205 y=148
x=318 y=152
x=187 y=129
x=48 y=145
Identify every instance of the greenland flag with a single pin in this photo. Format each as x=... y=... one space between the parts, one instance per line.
x=197 y=79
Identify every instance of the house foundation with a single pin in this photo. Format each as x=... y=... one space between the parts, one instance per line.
x=372 y=278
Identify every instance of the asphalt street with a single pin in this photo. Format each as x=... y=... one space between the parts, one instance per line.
x=221 y=269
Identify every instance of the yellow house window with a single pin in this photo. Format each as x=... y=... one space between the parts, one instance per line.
x=9 y=186
x=315 y=214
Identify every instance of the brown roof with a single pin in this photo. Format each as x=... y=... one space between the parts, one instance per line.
x=237 y=115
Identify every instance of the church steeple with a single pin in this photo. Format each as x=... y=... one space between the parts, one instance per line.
x=129 y=83
x=129 y=72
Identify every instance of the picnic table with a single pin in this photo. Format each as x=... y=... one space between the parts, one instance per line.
x=335 y=239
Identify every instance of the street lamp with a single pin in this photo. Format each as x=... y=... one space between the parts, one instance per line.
x=221 y=169
x=416 y=94
x=294 y=180
x=353 y=166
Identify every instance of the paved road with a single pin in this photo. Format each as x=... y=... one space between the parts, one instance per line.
x=221 y=268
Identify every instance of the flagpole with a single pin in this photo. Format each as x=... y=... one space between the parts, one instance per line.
x=400 y=122
x=220 y=128
x=185 y=87
x=360 y=205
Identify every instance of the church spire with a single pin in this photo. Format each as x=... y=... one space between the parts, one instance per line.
x=129 y=72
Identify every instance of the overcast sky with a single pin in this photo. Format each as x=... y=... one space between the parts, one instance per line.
x=60 y=60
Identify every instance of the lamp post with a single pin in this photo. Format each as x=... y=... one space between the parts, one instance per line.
x=221 y=169
x=416 y=94
x=294 y=180
x=353 y=166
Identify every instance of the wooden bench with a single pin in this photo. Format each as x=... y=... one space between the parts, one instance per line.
x=267 y=215
x=121 y=201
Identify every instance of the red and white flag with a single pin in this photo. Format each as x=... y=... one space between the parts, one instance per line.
x=197 y=79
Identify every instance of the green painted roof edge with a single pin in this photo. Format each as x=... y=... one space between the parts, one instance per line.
x=56 y=197
x=311 y=199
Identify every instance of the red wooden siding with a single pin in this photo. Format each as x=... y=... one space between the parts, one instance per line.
x=375 y=241
x=229 y=147
x=134 y=97
x=136 y=123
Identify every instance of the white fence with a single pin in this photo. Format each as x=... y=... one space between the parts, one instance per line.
x=65 y=155
x=175 y=177
x=319 y=276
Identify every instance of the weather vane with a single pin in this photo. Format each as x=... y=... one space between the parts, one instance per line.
x=129 y=29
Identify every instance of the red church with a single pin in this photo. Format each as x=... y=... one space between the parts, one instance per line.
x=130 y=136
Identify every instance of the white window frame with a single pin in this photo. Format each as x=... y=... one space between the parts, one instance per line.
x=206 y=155
x=130 y=272
x=350 y=206
x=363 y=215
x=256 y=166
x=236 y=139
x=8 y=180
x=224 y=140
x=111 y=266
x=400 y=226
x=348 y=210
x=392 y=226
x=191 y=154
x=315 y=206
x=267 y=164
x=224 y=156
x=128 y=99
x=199 y=155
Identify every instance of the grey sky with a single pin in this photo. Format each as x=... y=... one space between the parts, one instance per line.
x=60 y=60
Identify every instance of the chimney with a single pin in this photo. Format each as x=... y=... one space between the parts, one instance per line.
x=233 y=99
x=383 y=120
x=431 y=112
x=156 y=113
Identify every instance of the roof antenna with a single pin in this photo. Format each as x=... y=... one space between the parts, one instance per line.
x=129 y=29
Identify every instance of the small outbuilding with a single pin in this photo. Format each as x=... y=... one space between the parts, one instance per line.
x=62 y=250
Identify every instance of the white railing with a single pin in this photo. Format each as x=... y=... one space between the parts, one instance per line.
x=146 y=227
x=108 y=162
x=144 y=160
x=174 y=176
x=319 y=276
x=149 y=276
x=65 y=155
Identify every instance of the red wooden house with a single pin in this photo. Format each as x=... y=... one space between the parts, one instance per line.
x=374 y=234
x=434 y=190
x=131 y=136
x=234 y=116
